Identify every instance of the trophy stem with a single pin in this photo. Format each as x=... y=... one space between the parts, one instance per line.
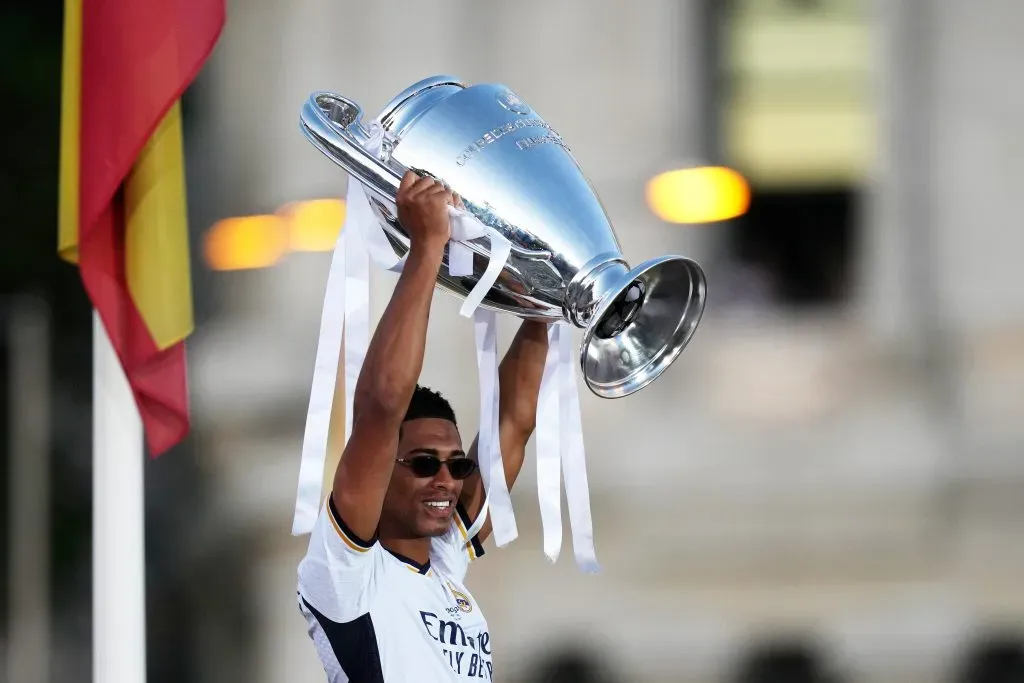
x=593 y=284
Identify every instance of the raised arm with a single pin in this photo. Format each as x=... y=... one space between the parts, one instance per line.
x=519 y=375
x=393 y=361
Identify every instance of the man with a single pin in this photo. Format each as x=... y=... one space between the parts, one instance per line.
x=381 y=585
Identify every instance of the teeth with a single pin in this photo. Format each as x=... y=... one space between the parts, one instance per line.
x=438 y=503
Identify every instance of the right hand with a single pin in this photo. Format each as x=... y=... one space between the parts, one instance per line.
x=423 y=210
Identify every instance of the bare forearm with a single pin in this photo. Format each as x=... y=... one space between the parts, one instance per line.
x=394 y=358
x=520 y=375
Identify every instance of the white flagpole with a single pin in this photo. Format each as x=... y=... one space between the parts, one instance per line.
x=119 y=569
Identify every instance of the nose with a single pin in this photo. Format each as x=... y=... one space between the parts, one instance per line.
x=443 y=479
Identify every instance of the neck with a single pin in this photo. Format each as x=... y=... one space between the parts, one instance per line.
x=416 y=549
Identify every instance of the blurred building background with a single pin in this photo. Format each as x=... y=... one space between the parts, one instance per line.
x=827 y=486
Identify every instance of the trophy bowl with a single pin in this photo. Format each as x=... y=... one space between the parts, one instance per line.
x=516 y=174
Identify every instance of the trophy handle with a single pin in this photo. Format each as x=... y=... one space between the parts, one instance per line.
x=333 y=124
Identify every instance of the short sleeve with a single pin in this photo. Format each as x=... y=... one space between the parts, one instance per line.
x=456 y=549
x=338 y=575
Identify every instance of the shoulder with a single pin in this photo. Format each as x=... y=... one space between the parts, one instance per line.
x=340 y=572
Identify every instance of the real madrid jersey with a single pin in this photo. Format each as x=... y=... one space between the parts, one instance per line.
x=378 y=617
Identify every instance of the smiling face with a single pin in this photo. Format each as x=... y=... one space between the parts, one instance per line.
x=417 y=507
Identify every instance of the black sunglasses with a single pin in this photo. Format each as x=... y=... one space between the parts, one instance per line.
x=424 y=466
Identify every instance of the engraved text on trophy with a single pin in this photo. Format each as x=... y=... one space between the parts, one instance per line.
x=510 y=127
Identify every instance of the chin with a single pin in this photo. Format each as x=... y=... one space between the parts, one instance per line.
x=434 y=528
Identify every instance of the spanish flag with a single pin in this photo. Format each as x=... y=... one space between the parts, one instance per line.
x=122 y=216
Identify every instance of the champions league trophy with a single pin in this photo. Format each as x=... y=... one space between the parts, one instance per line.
x=516 y=176
x=531 y=239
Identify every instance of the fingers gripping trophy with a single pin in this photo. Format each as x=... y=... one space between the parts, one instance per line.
x=528 y=238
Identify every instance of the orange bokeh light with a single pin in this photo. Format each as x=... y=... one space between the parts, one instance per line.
x=698 y=195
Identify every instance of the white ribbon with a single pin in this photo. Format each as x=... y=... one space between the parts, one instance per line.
x=346 y=308
x=321 y=396
x=549 y=448
x=560 y=441
x=478 y=523
x=492 y=468
x=574 y=459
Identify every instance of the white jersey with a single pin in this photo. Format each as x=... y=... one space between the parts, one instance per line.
x=378 y=617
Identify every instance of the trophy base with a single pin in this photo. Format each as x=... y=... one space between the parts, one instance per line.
x=643 y=322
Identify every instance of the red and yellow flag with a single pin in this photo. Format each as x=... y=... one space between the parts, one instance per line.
x=122 y=185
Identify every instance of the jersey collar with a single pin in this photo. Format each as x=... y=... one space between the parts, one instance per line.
x=411 y=563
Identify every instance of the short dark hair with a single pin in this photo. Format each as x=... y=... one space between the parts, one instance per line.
x=429 y=403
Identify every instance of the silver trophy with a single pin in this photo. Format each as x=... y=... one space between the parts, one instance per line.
x=515 y=174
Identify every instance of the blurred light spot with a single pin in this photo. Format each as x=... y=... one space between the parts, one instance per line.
x=314 y=225
x=698 y=195
x=246 y=242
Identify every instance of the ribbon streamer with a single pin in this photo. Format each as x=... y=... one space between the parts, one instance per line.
x=549 y=448
x=560 y=451
x=492 y=468
x=574 y=466
x=321 y=395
